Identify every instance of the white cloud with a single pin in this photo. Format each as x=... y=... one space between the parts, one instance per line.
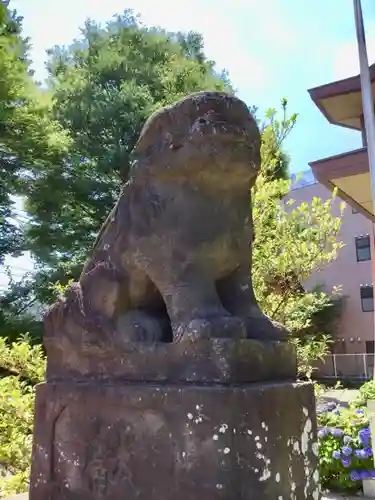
x=234 y=38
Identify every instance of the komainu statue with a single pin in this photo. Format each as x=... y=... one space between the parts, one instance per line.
x=173 y=259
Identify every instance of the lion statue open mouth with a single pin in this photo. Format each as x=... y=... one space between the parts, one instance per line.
x=173 y=260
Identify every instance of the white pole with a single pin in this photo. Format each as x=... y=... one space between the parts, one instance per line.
x=365 y=365
x=367 y=99
x=334 y=365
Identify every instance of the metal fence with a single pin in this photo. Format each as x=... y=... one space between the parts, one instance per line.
x=347 y=366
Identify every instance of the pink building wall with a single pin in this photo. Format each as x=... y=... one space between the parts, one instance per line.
x=345 y=271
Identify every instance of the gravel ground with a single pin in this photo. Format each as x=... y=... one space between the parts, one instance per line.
x=23 y=496
x=342 y=395
x=331 y=496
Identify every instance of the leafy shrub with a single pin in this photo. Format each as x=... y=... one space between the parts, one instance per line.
x=25 y=365
x=345 y=451
x=22 y=359
x=309 y=350
x=16 y=427
x=366 y=392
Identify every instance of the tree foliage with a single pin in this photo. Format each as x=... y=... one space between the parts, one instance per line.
x=13 y=70
x=104 y=86
x=275 y=161
x=18 y=309
x=25 y=366
x=293 y=241
x=28 y=136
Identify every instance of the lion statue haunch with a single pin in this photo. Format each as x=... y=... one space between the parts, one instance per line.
x=173 y=259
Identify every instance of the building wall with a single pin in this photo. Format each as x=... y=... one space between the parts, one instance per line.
x=347 y=272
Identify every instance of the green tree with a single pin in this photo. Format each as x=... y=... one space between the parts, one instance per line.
x=293 y=241
x=275 y=161
x=14 y=77
x=29 y=137
x=18 y=310
x=104 y=87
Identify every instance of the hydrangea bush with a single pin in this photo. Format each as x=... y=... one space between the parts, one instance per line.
x=345 y=451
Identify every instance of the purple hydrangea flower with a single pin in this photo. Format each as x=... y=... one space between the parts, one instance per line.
x=368 y=450
x=336 y=454
x=364 y=436
x=346 y=451
x=355 y=475
x=363 y=452
x=365 y=474
x=360 y=453
x=336 y=432
x=359 y=412
x=371 y=474
x=331 y=405
x=347 y=439
x=346 y=461
x=323 y=432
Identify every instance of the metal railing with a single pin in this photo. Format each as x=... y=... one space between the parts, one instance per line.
x=359 y=366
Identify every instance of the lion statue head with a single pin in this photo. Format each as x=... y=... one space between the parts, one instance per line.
x=210 y=137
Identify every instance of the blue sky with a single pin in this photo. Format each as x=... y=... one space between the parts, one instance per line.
x=271 y=49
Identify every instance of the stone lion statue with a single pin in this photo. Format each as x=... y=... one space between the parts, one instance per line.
x=173 y=259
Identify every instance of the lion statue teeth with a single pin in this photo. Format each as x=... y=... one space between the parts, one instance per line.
x=172 y=262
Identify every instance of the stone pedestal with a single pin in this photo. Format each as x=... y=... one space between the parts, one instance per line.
x=202 y=427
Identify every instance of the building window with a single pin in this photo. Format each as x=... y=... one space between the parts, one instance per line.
x=367 y=298
x=362 y=248
x=370 y=344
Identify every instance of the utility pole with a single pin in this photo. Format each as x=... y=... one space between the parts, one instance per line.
x=368 y=111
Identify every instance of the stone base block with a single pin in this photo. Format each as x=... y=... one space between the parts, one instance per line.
x=169 y=442
x=221 y=361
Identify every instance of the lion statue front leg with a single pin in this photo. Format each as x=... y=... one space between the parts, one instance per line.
x=237 y=295
x=192 y=302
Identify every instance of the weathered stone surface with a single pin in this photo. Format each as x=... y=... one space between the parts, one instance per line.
x=154 y=389
x=173 y=260
x=212 y=361
x=98 y=441
x=328 y=497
